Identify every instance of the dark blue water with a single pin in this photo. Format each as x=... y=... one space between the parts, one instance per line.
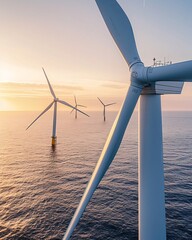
x=40 y=188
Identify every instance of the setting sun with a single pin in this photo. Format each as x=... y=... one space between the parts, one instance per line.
x=5 y=105
x=5 y=74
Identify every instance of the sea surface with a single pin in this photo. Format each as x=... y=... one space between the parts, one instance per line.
x=40 y=187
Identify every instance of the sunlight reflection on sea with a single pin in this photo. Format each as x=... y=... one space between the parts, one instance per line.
x=41 y=188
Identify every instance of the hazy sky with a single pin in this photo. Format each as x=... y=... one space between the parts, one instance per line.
x=70 y=40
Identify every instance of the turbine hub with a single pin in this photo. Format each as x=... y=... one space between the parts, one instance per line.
x=139 y=74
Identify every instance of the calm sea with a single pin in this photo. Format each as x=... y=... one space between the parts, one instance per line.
x=40 y=188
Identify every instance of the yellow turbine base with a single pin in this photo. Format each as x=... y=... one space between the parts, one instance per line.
x=54 y=141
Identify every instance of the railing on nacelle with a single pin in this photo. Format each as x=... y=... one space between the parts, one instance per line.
x=161 y=88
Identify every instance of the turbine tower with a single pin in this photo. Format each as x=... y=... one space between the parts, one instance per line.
x=76 y=105
x=148 y=83
x=55 y=101
x=104 y=106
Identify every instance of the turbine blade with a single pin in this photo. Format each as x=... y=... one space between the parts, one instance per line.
x=51 y=89
x=109 y=104
x=46 y=109
x=120 y=29
x=101 y=101
x=72 y=110
x=181 y=72
x=75 y=100
x=69 y=105
x=109 y=151
x=81 y=105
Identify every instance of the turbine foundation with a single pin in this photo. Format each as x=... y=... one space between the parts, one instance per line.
x=54 y=141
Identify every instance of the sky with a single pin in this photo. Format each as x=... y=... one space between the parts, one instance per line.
x=70 y=40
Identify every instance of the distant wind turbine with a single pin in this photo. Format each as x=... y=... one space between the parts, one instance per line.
x=76 y=105
x=55 y=100
x=104 y=106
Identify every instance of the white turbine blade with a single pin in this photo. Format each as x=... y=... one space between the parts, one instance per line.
x=69 y=105
x=120 y=29
x=109 y=104
x=101 y=101
x=181 y=72
x=46 y=109
x=51 y=89
x=72 y=110
x=109 y=151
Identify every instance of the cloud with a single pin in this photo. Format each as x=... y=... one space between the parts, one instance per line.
x=10 y=89
x=115 y=86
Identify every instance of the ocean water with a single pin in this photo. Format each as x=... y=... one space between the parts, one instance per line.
x=40 y=187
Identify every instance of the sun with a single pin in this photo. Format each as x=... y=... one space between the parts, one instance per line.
x=4 y=105
x=5 y=74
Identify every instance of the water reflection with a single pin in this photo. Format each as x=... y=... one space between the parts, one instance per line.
x=53 y=152
x=41 y=185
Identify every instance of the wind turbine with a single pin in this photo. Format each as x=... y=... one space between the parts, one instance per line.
x=148 y=83
x=76 y=105
x=104 y=106
x=55 y=101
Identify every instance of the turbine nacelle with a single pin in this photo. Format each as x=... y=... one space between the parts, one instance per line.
x=56 y=99
x=168 y=79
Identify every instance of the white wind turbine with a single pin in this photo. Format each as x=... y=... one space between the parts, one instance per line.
x=146 y=83
x=76 y=105
x=104 y=107
x=55 y=101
